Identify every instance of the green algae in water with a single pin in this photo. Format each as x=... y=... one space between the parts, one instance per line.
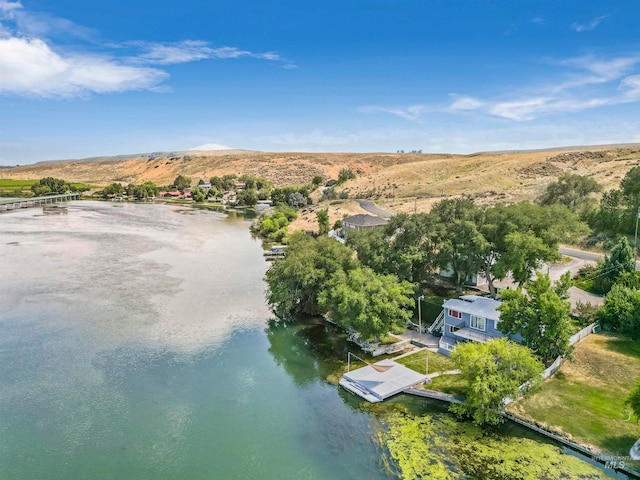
x=442 y=448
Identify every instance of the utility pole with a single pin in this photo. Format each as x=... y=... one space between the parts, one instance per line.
x=421 y=297
x=635 y=242
x=415 y=205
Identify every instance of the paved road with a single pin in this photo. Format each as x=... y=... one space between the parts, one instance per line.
x=588 y=256
x=581 y=254
x=373 y=208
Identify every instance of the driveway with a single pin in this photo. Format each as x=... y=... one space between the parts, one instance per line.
x=373 y=208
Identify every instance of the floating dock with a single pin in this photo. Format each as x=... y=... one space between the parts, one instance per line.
x=379 y=381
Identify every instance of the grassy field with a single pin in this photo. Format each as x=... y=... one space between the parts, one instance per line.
x=585 y=399
x=8 y=185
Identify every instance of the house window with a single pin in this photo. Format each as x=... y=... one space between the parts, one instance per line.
x=478 y=322
x=453 y=329
x=455 y=314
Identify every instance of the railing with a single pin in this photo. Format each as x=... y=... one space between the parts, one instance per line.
x=446 y=345
x=438 y=323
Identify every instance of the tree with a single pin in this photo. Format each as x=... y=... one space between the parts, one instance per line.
x=294 y=282
x=296 y=200
x=460 y=246
x=621 y=311
x=198 y=194
x=181 y=182
x=141 y=192
x=539 y=229
x=113 y=189
x=620 y=261
x=247 y=197
x=345 y=174
x=369 y=303
x=50 y=185
x=633 y=399
x=540 y=316
x=570 y=190
x=323 y=221
x=494 y=371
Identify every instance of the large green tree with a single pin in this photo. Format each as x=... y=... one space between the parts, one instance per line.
x=50 y=185
x=459 y=244
x=294 y=282
x=367 y=302
x=570 y=190
x=406 y=247
x=620 y=261
x=521 y=236
x=494 y=372
x=540 y=314
x=181 y=182
x=621 y=310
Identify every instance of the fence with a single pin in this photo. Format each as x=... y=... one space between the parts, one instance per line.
x=575 y=338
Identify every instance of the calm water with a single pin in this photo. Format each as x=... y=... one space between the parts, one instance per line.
x=132 y=344
x=135 y=344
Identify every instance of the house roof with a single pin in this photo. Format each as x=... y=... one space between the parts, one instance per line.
x=363 y=220
x=475 y=305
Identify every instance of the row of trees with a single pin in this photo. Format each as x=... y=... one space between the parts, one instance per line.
x=614 y=215
x=51 y=185
x=322 y=276
x=465 y=238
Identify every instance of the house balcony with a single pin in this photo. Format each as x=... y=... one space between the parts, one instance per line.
x=471 y=334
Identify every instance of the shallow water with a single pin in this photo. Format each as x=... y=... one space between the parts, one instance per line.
x=135 y=343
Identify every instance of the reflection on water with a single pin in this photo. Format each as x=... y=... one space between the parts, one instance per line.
x=133 y=345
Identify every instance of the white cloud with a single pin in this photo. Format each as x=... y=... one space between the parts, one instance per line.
x=193 y=50
x=538 y=20
x=32 y=65
x=7 y=8
x=211 y=146
x=31 y=68
x=567 y=95
x=463 y=102
x=589 y=26
x=412 y=112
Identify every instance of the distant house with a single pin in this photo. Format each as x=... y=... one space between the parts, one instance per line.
x=470 y=318
x=206 y=186
x=361 y=221
x=239 y=186
x=475 y=279
x=175 y=194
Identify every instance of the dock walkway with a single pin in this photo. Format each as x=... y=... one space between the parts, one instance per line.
x=16 y=203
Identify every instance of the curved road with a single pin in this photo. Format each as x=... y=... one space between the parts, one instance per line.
x=587 y=256
x=373 y=208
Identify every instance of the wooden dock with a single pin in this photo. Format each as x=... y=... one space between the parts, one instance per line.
x=17 y=203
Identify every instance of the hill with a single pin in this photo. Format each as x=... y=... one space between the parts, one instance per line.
x=397 y=182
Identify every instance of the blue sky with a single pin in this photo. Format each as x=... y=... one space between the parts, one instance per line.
x=81 y=79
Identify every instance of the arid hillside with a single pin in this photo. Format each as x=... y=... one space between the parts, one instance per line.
x=396 y=182
x=163 y=168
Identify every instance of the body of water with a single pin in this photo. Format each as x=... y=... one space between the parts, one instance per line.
x=135 y=343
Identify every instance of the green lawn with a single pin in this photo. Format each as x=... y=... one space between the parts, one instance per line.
x=453 y=384
x=437 y=362
x=586 y=398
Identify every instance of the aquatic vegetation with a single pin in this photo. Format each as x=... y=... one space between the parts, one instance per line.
x=439 y=447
